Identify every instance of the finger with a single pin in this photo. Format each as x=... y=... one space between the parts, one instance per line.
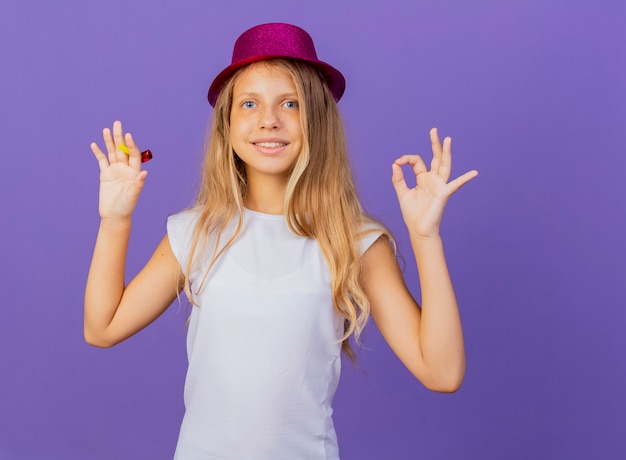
x=419 y=166
x=445 y=167
x=99 y=154
x=415 y=161
x=134 y=157
x=110 y=145
x=436 y=146
x=460 y=181
x=118 y=138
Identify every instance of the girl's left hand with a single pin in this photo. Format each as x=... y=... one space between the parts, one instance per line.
x=422 y=206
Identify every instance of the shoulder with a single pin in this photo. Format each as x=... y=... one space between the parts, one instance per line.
x=369 y=232
x=182 y=221
x=180 y=228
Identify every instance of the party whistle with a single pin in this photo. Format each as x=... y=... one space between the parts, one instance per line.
x=146 y=155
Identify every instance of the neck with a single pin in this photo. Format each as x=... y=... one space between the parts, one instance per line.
x=266 y=195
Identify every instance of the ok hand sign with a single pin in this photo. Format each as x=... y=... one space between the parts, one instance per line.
x=422 y=206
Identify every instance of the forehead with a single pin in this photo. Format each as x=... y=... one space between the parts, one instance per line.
x=264 y=76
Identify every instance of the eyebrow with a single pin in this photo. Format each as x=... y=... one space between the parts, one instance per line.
x=292 y=95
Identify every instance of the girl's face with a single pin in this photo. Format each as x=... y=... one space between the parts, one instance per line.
x=265 y=129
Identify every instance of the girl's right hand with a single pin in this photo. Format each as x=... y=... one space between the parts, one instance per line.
x=121 y=177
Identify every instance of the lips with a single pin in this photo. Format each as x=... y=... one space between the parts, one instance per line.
x=270 y=146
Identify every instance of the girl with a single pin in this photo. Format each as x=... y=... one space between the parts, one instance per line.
x=279 y=260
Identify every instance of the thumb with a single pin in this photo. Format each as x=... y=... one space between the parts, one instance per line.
x=140 y=180
x=397 y=179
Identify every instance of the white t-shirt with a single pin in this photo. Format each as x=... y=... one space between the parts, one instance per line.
x=263 y=346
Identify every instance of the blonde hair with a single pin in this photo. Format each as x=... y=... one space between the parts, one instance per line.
x=320 y=201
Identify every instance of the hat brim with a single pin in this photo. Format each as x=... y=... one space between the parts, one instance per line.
x=334 y=79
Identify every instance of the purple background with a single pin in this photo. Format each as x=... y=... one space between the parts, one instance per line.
x=533 y=93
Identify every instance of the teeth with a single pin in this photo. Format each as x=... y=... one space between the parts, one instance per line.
x=270 y=144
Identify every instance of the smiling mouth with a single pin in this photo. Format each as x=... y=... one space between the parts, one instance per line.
x=270 y=145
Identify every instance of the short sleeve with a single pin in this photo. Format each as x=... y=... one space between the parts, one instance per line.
x=370 y=232
x=180 y=229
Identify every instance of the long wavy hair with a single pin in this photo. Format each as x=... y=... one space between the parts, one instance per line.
x=320 y=201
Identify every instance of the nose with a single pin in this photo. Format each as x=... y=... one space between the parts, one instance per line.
x=269 y=118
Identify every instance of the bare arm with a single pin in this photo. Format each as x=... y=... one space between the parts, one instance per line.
x=429 y=341
x=114 y=312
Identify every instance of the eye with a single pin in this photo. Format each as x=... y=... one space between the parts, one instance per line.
x=291 y=104
x=248 y=105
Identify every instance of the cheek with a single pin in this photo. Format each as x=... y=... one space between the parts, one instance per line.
x=296 y=127
x=235 y=129
x=240 y=124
